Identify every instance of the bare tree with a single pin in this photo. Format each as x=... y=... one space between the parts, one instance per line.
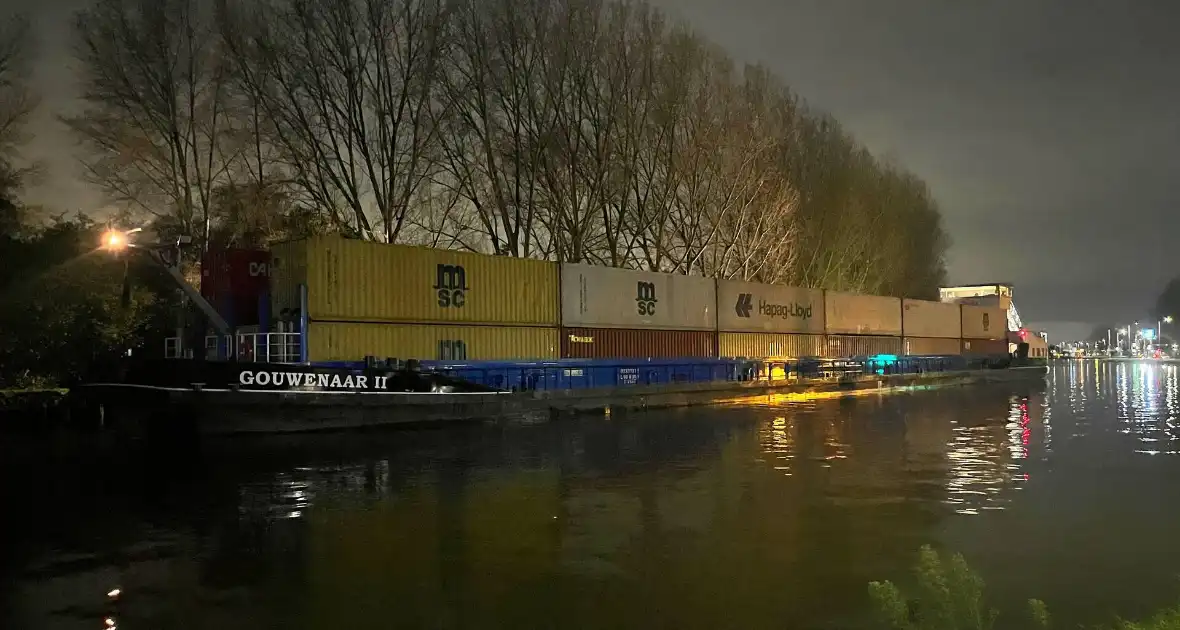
x=154 y=89
x=493 y=120
x=348 y=87
x=16 y=106
x=576 y=130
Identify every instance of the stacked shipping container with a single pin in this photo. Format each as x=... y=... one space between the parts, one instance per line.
x=862 y=325
x=613 y=313
x=769 y=321
x=367 y=298
x=930 y=327
x=984 y=330
x=236 y=283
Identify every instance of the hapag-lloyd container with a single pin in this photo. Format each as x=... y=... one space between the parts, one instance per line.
x=362 y=281
x=921 y=318
x=853 y=314
x=608 y=297
x=759 y=345
x=984 y=322
x=751 y=307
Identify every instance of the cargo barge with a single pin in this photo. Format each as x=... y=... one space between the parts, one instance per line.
x=184 y=397
x=494 y=336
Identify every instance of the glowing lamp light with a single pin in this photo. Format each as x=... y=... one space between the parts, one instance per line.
x=114 y=241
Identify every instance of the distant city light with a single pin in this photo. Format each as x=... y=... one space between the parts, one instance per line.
x=1148 y=333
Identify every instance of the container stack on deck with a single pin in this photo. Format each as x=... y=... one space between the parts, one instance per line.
x=620 y=313
x=985 y=330
x=372 y=299
x=763 y=320
x=930 y=328
x=862 y=325
x=235 y=282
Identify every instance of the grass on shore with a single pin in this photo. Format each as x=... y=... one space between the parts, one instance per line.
x=17 y=402
x=948 y=595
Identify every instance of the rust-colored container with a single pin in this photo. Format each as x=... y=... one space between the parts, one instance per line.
x=630 y=343
x=926 y=346
x=844 y=346
x=985 y=347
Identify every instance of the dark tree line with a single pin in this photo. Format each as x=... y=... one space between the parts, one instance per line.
x=575 y=130
x=592 y=131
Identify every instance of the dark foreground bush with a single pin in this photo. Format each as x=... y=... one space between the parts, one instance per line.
x=946 y=594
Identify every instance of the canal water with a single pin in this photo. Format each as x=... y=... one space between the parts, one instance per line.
x=767 y=515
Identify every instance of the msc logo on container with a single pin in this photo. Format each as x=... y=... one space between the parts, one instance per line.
x=450 y=281
x=645 y=298
x=452 y=350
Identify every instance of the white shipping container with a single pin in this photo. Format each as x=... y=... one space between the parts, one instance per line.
x=920 y=318
x=607 y=297
x=984 y=322
x=750 y=307
x=852 y=314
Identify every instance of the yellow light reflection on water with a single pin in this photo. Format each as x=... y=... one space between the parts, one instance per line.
x=985 y=460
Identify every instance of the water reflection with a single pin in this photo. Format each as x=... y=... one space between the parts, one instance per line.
x=1147 y=406
x=758 y=516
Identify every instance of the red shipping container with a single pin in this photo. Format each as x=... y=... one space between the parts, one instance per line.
x=629 y=343
x=237 y=272
x=234 y=280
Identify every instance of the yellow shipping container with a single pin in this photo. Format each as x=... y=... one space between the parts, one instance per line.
x=845 y=346
x=362 y=281
x=770 y=345
x=341 y=341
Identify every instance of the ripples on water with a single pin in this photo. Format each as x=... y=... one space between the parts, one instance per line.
x=753 y=516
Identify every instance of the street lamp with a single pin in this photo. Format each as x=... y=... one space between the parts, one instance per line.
x=1167 y=319
x=118 y=241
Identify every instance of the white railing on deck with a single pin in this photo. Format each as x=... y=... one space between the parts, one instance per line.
x=260 y=347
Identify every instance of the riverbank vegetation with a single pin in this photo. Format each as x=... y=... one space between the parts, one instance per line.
x=578 y=130
x=944 y=593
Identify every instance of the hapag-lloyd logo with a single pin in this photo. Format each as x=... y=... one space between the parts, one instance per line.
x=745 y=303
x=274 y=378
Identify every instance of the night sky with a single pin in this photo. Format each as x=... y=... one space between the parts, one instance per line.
x=1047 y=130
